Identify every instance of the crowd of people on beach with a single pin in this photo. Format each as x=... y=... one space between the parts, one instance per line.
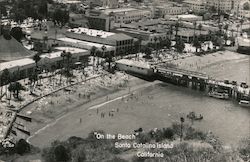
x=110 y=111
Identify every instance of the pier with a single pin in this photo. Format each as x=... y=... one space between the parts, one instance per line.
x=200 y=81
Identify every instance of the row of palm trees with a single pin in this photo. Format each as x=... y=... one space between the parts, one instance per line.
x=9 y=81
x=96 y=53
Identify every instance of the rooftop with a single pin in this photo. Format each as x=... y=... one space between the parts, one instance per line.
x=117 y=10
x=244 y=42
x=199 y=2
x=29 y=61
x=91 y=32
x=16 y=63
x=85 y=43
x=140 y=64
x=11 y=49
x=187 y=16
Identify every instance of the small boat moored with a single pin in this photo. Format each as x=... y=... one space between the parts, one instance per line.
x=244 y=103
x=193 y=116
x=220 y=95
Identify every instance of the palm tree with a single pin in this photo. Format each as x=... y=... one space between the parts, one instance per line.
x=108 y=59
x=166 y=43
x=155 y=39
x=226 y=28
x=220 y=29
x=148 y=52
x=36 y=58
x=179 y=45
x=93 y=53
x=68 y=58
x=177 y=25
x=209 y=35
x=5 y=79
x=63 y=55
x=16 y=87
x=196 y=44
x=237 y=26
x=232 y=32
x=140 y=41
x=194 y=24
x=200 y=28
x=241 y=24
x=103 y=51
x=98 y=54
x=170 y=32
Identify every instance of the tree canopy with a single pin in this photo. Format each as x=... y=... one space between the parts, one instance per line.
x=37 y=9
x=179 y=45
x=17 y=33
x=60 y=16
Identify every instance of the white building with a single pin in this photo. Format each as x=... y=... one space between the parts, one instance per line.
x=121 y=42
x=127 y=15
x=135 y=67
x=26 y=65
x=241 y=8
x=196 y=5
x=221 y=5
x=161 y=11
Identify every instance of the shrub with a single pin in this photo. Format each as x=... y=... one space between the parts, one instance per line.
x=79 y=154
x=244 y=149
x=61 y=154
x=159 y=135
x=143 y=138
x=73 y=142
x=138 y=159
x=168 y=133
x=191 y=134
x=116 y=159
x=22 y=147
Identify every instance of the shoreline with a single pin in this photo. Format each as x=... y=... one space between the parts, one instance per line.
x=98 y=101
x=114 y=94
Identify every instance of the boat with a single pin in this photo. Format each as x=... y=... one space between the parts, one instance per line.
x=244 y=103
x=193 y=116
x=220 y=95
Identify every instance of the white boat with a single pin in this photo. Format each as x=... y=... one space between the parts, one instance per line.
x=219 y=95
x=244 y=103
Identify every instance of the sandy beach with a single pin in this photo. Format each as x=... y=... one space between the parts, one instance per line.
x=215 y=65
x=149 y=105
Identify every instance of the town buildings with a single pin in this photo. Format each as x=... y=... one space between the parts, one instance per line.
x=172 y=9
x=196 y=5
x=91 y=37
x=242 y=8
x=221 y=5
x=26 y=66
x=105 y=3
x=127 y=15
x=100 y=21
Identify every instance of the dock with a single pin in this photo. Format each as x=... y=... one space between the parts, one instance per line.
x=201 y=81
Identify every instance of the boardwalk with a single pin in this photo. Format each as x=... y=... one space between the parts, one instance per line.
x=192 y=74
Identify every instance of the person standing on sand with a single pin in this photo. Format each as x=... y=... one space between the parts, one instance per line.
x=80 y=120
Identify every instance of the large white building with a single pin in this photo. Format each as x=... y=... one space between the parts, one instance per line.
x=196 y=5
x=115 y=43
x=221 y=5
x=242 y=8
x=127 y=15
x=161 y=11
